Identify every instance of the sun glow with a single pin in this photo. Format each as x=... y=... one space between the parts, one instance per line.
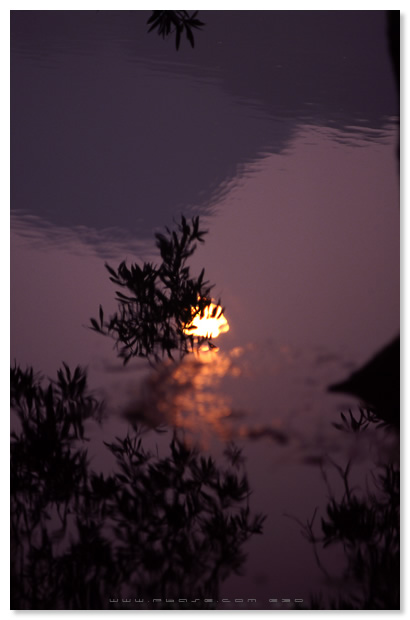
x=210 y=324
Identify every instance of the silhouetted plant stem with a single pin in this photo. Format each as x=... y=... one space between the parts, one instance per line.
x=159 y=302
x=366 y=524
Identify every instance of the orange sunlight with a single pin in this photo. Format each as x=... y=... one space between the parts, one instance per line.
x=210 y=325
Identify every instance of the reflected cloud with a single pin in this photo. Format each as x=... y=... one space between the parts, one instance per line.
x=78 y=240
x=197 y=395
x=188 y=395
x=269 y=432
x=78 y=59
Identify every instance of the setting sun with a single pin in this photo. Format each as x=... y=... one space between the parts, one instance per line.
x=210 y=325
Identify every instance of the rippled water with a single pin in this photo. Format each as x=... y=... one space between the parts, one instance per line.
x=279 y=130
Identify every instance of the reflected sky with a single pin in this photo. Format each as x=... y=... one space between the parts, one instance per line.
x=279 y=130
x=301 y=236
x=188 y=123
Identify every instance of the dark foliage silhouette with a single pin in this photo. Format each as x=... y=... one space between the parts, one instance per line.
x=377 y=384
x=171 y=526
x=365 y=524
x=160 y=301
x=359 y=422
x=167 y=22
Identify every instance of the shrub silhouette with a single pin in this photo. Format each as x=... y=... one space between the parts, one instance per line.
x=156 y=527
x=365 y=524
x=161 y=300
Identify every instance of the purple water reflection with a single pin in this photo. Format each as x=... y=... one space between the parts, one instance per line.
x=279 y=130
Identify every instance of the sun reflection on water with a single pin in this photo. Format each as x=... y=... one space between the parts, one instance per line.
x=208 y=324
x=188 y=394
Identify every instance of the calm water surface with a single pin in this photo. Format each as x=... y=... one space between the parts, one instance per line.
x=279 y=130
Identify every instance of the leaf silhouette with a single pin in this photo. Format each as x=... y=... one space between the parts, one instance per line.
x=158 y=302
x=163 y=21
